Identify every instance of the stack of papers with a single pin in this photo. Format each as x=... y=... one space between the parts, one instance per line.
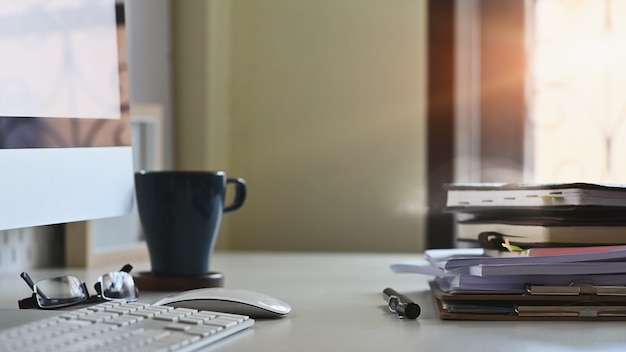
x=471 y=271
x=467 y=284
x=549 y=252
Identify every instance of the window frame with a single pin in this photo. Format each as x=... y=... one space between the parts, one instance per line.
x=498 y=108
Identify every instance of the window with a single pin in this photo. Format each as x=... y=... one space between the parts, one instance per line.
x=536 y=93
x=577 y=81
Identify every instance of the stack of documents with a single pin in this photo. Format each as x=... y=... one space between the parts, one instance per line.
x=544 y=252
x=559 y=283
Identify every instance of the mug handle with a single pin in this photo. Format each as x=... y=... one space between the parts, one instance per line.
x=240 y=194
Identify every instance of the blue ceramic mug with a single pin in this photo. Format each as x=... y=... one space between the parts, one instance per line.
x=180 y=213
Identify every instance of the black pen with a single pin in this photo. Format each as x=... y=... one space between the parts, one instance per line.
x=401 y=304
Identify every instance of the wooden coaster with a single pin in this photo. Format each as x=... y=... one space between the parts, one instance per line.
x=148 y=281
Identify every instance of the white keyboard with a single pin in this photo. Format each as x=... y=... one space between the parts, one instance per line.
x=120 y=326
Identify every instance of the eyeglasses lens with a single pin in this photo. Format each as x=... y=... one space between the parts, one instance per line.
x=60 y=291
x=118 y=284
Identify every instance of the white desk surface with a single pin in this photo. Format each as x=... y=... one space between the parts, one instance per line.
x=338 y=306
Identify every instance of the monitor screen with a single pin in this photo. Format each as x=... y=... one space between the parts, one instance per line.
x=65 y=148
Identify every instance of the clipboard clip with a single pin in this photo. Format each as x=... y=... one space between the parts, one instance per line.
x=575 y=288
x=570 y=311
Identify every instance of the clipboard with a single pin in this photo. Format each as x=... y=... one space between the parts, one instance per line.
x=529 y=307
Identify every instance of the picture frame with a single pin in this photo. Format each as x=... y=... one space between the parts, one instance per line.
x=120 y=239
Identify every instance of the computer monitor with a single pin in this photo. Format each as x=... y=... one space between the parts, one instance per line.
x=65 y=148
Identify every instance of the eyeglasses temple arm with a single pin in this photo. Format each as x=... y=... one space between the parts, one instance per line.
x=127 y=268
x=28 y=280
x=31 y=284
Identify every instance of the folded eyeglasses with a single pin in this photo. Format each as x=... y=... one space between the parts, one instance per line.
x=69 y=290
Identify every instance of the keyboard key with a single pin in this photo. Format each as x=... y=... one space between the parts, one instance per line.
x=178 y=327
x=203 y=330
x=221 y=322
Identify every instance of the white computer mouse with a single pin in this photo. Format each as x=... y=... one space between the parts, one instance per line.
x=226 y=300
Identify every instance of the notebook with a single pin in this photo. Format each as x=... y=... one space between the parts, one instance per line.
x=461 y=195
x=535 y=231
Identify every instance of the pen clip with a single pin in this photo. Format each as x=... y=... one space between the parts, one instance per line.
x=392 y=303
